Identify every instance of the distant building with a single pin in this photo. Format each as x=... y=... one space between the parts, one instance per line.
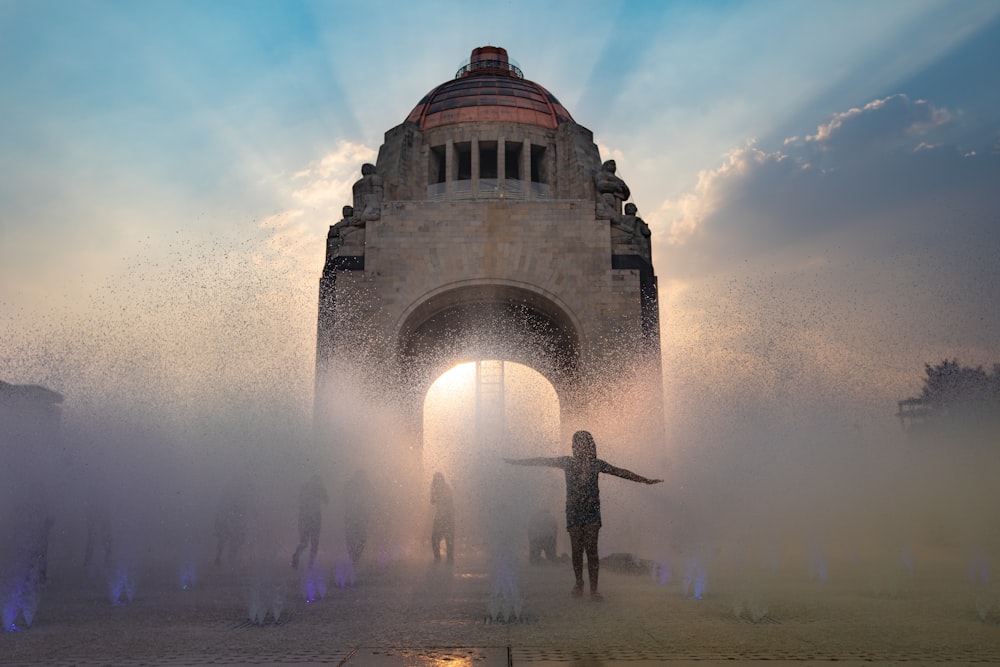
x=490 y=228
x=30 y=415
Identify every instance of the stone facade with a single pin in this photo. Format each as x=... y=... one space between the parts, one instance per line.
x=474 y=238
x=30 y=417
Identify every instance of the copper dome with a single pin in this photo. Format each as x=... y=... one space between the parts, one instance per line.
x=489 y=88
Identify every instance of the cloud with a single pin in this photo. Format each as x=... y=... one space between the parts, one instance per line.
x=879 y=166
x=609 y=153
x=837 y=264
x=290 y=237
x=890 y=121
x=744 y=171
x=328 y=180
x=312 y=198
x=221 y=317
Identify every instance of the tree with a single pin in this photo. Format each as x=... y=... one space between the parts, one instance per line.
x=954 y=397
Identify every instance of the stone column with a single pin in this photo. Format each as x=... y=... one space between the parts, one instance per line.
x=501 y=165
x=475 y=168
x=450 y=165
x=526 y=169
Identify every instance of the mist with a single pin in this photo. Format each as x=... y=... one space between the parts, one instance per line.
x=197 y=389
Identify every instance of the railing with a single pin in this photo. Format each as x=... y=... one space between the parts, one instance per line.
x=501 y=65
x=539 y=191
x=489 y=188
x=436 y=191
x=513 y=189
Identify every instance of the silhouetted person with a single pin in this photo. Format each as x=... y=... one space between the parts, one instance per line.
x=444 y=519
x=583 y=502
x=357 y=512
x=98 y=530
x=311 y=499
x=38 y=556
x=231 y=523
x=542 y=529
x=24 y=543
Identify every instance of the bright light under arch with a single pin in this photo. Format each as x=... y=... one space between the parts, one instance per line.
x=531 y=416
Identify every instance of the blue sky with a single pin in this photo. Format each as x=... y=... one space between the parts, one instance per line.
x=820 y=179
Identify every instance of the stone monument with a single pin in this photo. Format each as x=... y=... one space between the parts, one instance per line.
x=489 y=228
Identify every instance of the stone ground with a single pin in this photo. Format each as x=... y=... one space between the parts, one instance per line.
x=419 y=614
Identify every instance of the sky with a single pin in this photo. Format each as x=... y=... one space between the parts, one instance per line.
x=820 y=180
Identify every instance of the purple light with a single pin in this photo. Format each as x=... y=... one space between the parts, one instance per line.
x=663 y=572
x=906 y=558
x=979 y=569
x=313 y=584
x=817 y=566
x=121 y=586
x=695 y=578
x=187 y=576
x=344 y=573
x=20 y=601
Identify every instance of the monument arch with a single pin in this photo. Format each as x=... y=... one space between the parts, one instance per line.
x=490 y=228
x=478 y=320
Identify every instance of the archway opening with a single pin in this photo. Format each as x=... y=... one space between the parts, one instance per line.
x=489 y=321
x=476 y=413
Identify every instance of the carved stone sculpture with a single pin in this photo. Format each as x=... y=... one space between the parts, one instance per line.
x=611 y=192
x=631 y=230
x=335 y=238
x=368 y=195
x=637 y=229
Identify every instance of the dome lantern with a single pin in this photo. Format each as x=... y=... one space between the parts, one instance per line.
x=489 y=88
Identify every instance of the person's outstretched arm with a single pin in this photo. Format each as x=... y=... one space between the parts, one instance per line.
x=629 y=475
x=537 y=461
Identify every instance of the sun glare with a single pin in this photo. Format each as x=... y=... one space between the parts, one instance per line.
x=455 y=384
x=530 y=414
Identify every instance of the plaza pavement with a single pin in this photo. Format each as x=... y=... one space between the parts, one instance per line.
x=416 y=613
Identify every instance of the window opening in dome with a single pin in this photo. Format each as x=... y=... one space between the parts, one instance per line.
x=488 y=159
x=437 y=172
x=463 y=152
x=538 y=168
x=512 y=161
